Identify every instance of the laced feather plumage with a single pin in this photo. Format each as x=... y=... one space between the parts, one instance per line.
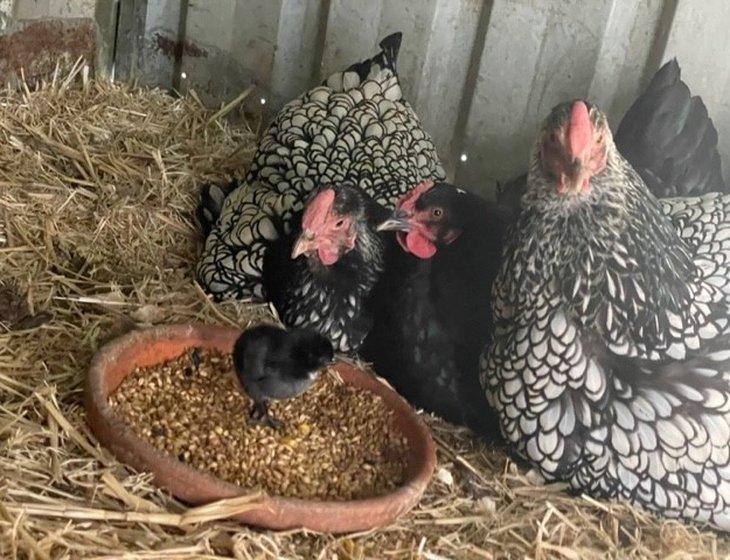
x=355 y=128
x=610 y=364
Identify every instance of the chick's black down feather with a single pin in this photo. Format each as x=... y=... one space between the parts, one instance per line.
x=272 y=363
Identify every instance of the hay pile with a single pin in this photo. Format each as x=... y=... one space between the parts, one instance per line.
x=97 y=187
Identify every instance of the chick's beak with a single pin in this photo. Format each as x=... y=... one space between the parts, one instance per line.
x=399 y=221
x=304 y=244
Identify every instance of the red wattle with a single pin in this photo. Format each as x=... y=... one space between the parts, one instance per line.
x=327 y=256
x=417 y=244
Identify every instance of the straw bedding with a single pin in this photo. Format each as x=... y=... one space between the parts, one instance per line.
x=97 y=187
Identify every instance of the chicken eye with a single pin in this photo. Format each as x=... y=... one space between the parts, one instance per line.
x=553 y=137
x=600 y=139
x=437 y=212
x=340 y=223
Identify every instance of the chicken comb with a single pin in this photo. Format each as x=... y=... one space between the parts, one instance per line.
x=579 y=128
x=315 y=214
x=408 y=201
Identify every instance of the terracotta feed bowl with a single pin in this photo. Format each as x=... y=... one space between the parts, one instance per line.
x=146 y=348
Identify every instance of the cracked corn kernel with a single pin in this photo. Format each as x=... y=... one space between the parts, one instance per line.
x=337 y=442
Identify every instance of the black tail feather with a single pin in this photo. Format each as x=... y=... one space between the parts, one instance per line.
x=666 y=76
x=386 y=58
x=211 y=202
x=509 y=196
x=669 y=138
x=390 y=46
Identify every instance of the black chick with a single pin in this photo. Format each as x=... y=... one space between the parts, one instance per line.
x=272 y=363
x=432 y=305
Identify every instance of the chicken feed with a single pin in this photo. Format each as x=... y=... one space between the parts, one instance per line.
x=336 y=442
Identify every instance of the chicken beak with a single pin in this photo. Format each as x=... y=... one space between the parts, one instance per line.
x=399 y=221
x=574 y=183
x=303 y=245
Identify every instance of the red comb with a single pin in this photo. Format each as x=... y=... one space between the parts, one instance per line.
x=317 y=209
x=579 y=128
x=408 y=200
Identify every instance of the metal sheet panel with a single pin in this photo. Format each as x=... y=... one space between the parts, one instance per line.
x=35 y=35
x=36 y=9
x=6 y=13
x=481 y=73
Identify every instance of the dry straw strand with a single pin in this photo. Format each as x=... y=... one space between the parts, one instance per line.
x=98 y=184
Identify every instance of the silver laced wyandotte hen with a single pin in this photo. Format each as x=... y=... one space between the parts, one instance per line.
x=322 y=273
x=355 y=129
x=610 y=363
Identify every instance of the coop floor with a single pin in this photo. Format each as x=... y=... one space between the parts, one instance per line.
x=97 y=188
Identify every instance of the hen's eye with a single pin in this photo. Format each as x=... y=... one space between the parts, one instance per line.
x=553 y=137
x=600 y=140
x=339 y=223
x=437 y=212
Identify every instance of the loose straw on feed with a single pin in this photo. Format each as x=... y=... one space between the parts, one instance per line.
x=98 y=184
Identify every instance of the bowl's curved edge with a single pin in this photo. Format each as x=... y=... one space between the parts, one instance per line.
x=197 y=487
x=120 y=439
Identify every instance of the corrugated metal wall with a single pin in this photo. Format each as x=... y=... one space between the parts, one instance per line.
x=481 y=73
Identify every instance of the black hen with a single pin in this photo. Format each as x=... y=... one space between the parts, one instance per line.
x=272 y=363
x=666 y=136
x=432 y=315
x=321 y=275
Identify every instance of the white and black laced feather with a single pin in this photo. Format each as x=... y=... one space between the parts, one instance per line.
x=355 y=128
x=330 y=299
x=610 y=365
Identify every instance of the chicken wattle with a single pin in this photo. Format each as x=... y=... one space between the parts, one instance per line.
x=431 y=307
x=610 y=364
x=355 y=129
